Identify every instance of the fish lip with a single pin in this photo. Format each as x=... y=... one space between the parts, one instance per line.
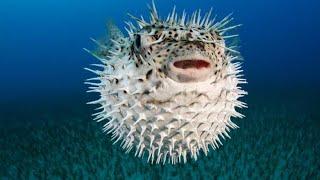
x=190 y=74
x=187 y=64
x=195 y=57
x=192 y=57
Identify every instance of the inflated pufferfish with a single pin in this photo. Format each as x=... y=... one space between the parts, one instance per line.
x=170 y=88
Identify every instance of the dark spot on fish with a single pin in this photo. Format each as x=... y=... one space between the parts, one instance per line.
x=113 y=67
x=158 y=84
x=146 y=92
x=148 y=74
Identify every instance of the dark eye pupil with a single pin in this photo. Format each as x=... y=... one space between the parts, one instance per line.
x=138 y=41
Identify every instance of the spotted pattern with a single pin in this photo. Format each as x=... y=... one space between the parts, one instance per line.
x=178 y=41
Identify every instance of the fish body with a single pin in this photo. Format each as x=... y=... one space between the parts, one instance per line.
x=170 y=88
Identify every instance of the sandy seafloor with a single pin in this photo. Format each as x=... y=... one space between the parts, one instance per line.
x=55 y=139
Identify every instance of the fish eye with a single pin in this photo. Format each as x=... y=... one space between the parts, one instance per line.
x=138 y=41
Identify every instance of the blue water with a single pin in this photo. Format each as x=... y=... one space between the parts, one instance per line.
x=41 y=75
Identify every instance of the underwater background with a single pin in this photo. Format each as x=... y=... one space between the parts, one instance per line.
x=46 y=128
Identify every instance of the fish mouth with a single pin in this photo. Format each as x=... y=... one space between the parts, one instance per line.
x=190 y=69
x=191 y=63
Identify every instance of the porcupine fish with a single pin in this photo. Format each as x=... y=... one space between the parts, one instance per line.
x=170 y=88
